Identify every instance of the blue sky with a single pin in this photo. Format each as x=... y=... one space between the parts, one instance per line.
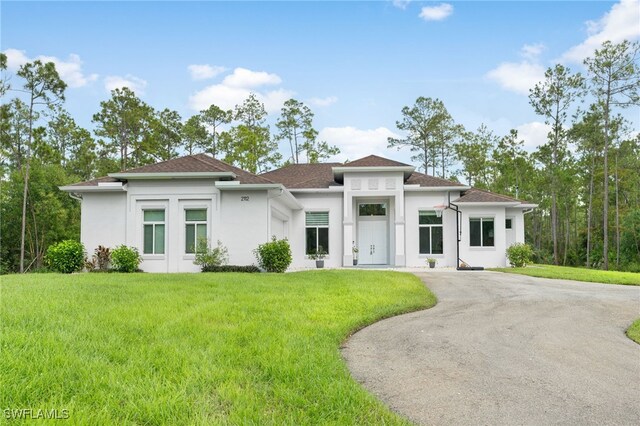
x=355 y=63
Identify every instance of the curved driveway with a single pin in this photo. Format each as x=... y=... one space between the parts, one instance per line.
x=506 y=349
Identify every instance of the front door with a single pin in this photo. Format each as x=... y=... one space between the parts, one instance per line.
x=372 y=237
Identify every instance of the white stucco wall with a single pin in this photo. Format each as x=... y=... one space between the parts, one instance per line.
x=244 y=220
x=416 y=201
x=317 y=202
x=483 y=256
x=103 y=220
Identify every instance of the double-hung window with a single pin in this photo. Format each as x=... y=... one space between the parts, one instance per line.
x=481 y=232
x=430 y=228
x=153 y=224
x=317 y=232
x=195 y=229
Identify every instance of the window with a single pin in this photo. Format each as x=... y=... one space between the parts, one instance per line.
x=317 y=231
x=195 y=228
x=481 y=232
x=508 y=223
x=153 y=224
x=372 y=209
x=430 y=227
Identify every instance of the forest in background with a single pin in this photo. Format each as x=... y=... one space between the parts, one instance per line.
x=585 y=178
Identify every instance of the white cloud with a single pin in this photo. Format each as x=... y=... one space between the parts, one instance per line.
x=436 y=13
x=323 y=102
x=237 y=86
x=357 y=143
x=534 y=134
x=532 y=51
x=620 y=23
x=401 y=4
x=132 y=82
x=244 y=78
x=70 y=70
x=517 y=77
x=205 y=71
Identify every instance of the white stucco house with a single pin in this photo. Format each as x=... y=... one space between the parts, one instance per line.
x=394 y=215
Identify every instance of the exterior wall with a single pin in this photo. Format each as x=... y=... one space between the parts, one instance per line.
x=174 y=196
x=488 y=257
x=103 y=220
x=244 y=220
x=360 y=186
x=416 y=201
x=518 y=223
x=331 y=202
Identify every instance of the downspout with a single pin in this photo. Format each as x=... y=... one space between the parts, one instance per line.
x=75 y=196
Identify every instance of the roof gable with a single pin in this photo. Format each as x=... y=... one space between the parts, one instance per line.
x=374 y=161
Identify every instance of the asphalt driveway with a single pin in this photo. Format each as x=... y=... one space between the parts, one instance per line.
x=506 y=349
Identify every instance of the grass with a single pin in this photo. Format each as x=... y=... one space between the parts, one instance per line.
x=634 y=331
x=195 y=348
x=576 y=274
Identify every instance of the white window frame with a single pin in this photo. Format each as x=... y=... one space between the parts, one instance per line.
x=430 y=225
x=482 y=246
x=204 y=222
x=155 y=255
x=327 y=226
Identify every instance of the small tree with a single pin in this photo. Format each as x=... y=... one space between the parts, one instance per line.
x=206 y=257
x=274 y=256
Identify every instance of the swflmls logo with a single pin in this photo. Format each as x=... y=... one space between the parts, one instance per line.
x=31 y=414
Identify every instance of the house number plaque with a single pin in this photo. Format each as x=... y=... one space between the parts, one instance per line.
x=244 y=198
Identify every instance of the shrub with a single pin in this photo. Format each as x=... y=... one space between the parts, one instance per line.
x=274 y=256
x=125 y=259
x=66 y=256
x=231 y=268
x=208 y=257
x=520 y=255
x=100 y=260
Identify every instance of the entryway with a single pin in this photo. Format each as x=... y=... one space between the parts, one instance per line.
x=373 y=233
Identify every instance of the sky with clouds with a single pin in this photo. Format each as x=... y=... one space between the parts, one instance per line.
x=356 y=64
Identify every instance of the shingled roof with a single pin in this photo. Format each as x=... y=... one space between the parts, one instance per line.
x=317 y=175
x=475 y=195
x=421 y=179
x=187 y=164
x=374 y=161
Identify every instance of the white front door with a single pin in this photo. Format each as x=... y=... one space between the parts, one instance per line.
x=372 y=242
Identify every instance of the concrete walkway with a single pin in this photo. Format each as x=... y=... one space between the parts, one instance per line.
x=506 y=349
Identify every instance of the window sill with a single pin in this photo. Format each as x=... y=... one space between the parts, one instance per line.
x=492 y=248
x=153 y=257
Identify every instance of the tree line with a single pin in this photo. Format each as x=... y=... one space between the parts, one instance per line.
x=585 y=177
x=42 y=147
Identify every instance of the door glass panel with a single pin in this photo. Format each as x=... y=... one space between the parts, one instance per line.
x=196 y=215
x=436 y=236
x=159 y=239
x=507 y=223
x=148 y=239
x=487 y=232
x=425 y=240
x=372 y=209
x=312 y=234
x=474 y=232
x=154 y=215
x=429 y=218
x=190 y=239
x=323 y=239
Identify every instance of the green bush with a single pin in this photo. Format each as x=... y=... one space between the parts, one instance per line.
x=231 y=268
x=208 y=257
x=520 y=255
x=125 y=259
x=274 y=256
x=66 y=256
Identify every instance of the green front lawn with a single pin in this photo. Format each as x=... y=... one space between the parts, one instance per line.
x=195 y=348
x=576 y=274
x=634 y=331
